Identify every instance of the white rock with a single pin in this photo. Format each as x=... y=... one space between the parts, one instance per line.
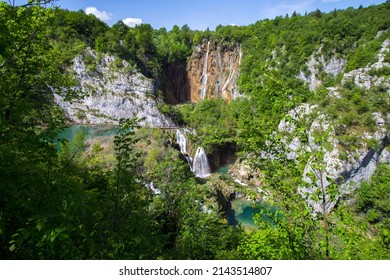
x=348 y=173
x=334 y=67
x=112 y=94
x=362 y=78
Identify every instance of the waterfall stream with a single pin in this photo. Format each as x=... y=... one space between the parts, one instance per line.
x=204 y=74
x=182 y=142
x=201 y=166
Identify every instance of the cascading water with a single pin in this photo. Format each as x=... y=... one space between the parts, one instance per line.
x=204 y=74
x=182 y=142
x=201 y=164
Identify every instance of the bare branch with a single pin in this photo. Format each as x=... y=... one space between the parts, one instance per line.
x=38 y=3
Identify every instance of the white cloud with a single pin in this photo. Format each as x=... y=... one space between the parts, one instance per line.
x=131 y=22
x=330 y=1
x=102 y=15
x=287 y=8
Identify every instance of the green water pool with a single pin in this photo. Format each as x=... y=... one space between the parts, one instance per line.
x=242 y=212
x=90 y=131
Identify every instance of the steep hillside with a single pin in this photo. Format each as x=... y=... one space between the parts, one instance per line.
x=351 y=151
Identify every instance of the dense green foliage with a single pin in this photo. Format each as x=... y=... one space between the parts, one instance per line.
x=213 y=120
x=279 y=49
x=72 y=32
x=372 y=202
x=96 y=202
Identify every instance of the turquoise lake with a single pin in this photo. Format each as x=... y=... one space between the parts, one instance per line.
x=243 y=210
x=90 y=131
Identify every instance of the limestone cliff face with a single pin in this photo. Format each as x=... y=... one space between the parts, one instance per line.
x=111 y=92
x=211 y=71
x=362 y=77
x=336 y=64
x=348 y=172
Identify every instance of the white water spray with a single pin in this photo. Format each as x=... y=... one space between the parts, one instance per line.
x=182 y=142
x=201 y=166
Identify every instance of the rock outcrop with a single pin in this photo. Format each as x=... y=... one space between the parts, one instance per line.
x=346 y=172
x=334 y=66
x=364 y=78
x=211 y=71
x=112 y=90
x=243 y=174
x=359 y=164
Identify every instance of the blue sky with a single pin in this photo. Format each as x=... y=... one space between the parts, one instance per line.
x=201 y=14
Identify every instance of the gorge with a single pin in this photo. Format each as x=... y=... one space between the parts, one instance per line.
x=211 y=72
x=265 y=141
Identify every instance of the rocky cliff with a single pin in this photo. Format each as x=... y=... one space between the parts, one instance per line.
x=331 y=163
x=346 y=172
x=211 y=71
x=112 y=90
x=367 y=77
x=334 y=66
x=362 y=77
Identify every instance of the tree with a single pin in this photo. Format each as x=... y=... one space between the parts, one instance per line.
x=133 y=230
x=30 y=70
x=126 y=162
x=317 y=13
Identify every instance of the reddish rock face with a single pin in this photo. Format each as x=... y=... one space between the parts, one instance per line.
x=211 y=71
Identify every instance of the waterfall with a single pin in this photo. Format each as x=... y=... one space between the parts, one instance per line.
x=239 y=182
x=201 y=164
x=229 y=79
x=155 y=190
x=239 y=53
x=182 y=142
x=204 y=74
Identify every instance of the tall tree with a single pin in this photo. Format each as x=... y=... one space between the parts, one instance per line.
x=29 y=73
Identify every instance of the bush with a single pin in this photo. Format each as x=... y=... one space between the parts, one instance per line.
x=372 y=197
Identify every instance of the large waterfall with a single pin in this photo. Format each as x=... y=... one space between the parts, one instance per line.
x=201 y=164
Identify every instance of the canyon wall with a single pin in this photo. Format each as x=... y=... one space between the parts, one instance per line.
x=211 y=71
